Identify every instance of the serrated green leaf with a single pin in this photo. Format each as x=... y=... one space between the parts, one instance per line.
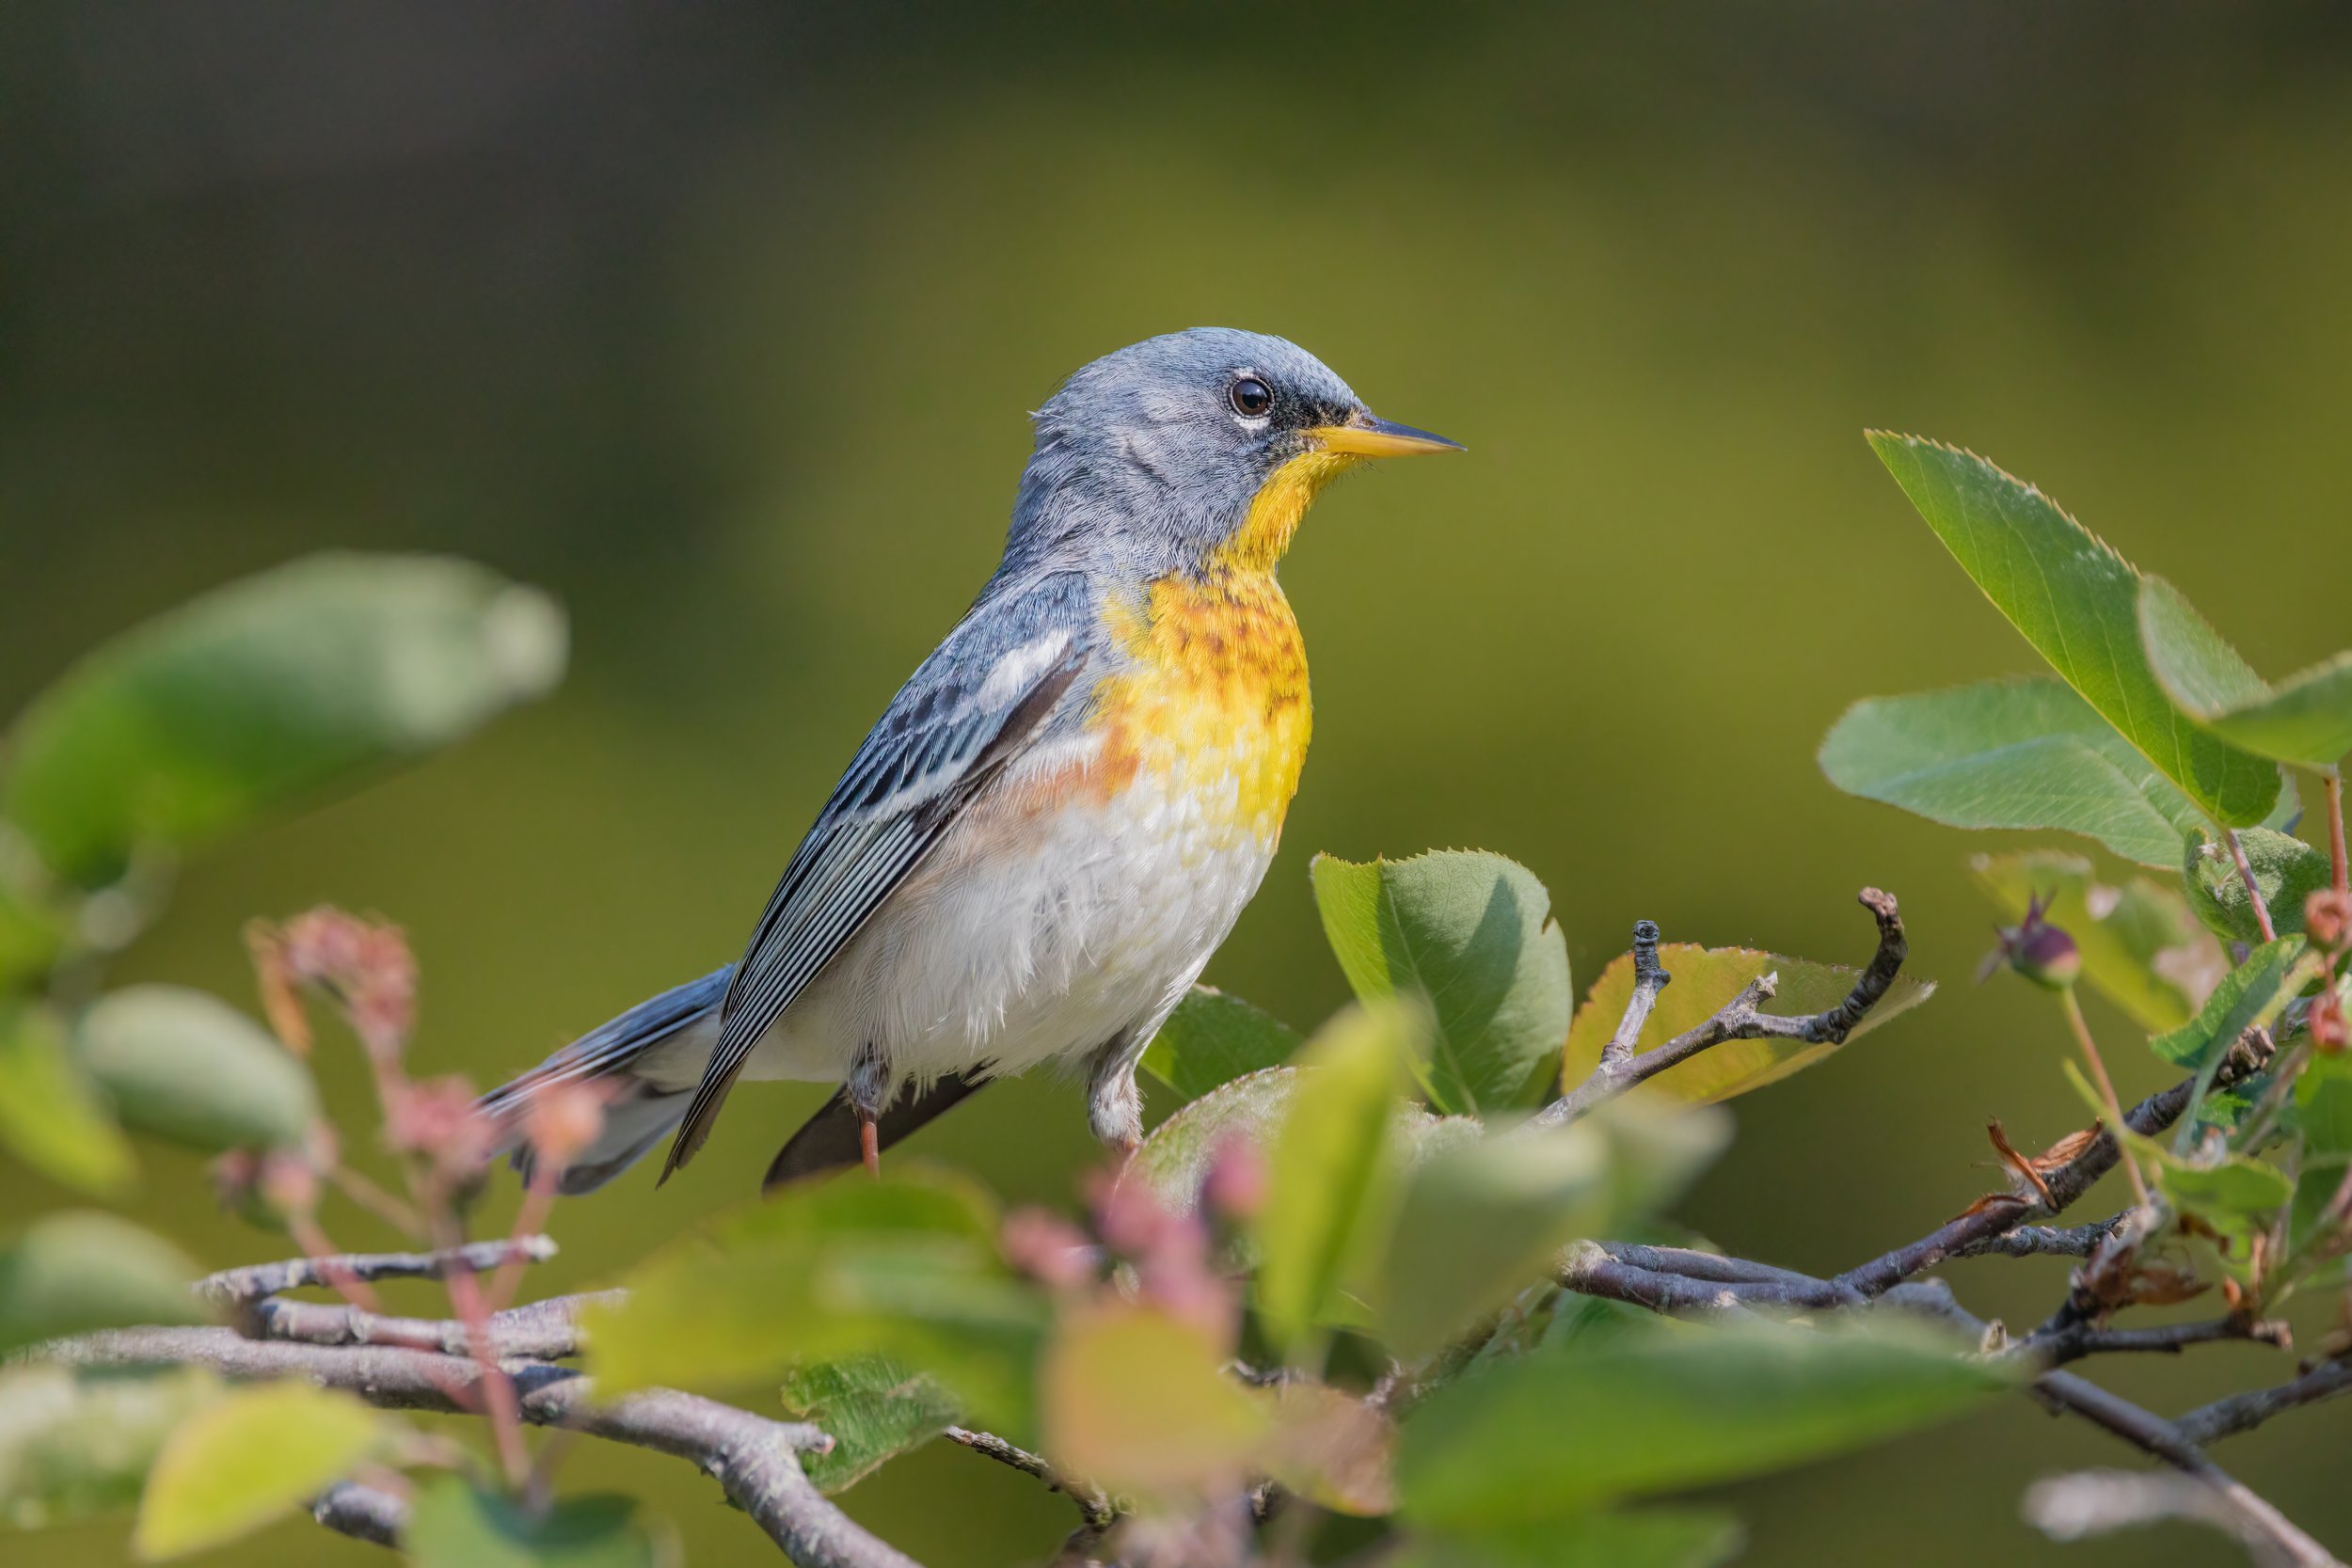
x=1331 y=1169
x=2026 y=754
x=265 y=694
x=873 y=1407
x=246 y=1459
x=905 y=1267
x=1477 y=1225
x=2142 y=948
x=1704 y=980
x=2077 y=602
x=77 y=1441
x=2286 y=869
x=49 y=1117
x=1685 y=1407
x=2306 y=718
x=2249 y=996
x=454 y=1524
x=78 y=1271
x=184 y=1065
x=1213 y=1039
x=1652 y=1538
x=1472 y=934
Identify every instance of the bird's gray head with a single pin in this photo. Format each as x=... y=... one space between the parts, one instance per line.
x=1198 y=448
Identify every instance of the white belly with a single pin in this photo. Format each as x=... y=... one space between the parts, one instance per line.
x=1025 y=938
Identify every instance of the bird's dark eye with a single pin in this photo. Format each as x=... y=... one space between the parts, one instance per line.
x=1250 y=397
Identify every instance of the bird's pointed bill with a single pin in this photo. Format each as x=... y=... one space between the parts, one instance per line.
x=1366 y=437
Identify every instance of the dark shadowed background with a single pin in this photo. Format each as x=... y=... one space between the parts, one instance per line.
x=721 y=322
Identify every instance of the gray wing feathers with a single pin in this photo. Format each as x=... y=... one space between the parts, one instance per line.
x=947 y=735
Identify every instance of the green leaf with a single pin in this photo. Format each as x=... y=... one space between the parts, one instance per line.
x=1653 y=1538
x=2010 y=754
x=2286 y=869
x=1472 y=933
x=1331 y=1176
x=2315 y=1187
x=2306 y=718
x=2322 y=1105
x=1669 y=1409
x=2235 y=1189
x=31 y=938
x=184 y=1065
x=1704 y=980
x=1477 y=1224
x=1213 y=1039
x=265 y=694
x=78 y=1271
x=49 y=1116
x=874 y=1409
x=2142 y=947
x=905 y=1267
x=1134 y=1401
x=2251 y=995
x=456 y=1525
x=248 y=1459
x=77 y=1441
x=2077 y=602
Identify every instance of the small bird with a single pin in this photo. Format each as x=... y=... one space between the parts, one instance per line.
x=1059 y=817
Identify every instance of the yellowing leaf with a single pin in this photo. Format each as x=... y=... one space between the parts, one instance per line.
x=1704 y=980
x=50 y=1116
x=1136 y=1401
x=245 y=1460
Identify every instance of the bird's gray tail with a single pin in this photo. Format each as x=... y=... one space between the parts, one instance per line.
x=647 y=1060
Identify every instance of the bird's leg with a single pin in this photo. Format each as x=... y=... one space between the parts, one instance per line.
x=869 y=1088
x=1114 y=1104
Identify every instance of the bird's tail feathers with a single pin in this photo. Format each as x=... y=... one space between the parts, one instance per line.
x=646 y=1061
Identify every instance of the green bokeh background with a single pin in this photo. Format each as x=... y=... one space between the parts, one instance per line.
x=720 y=322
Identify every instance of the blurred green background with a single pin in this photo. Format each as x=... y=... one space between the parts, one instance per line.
x=721 y=322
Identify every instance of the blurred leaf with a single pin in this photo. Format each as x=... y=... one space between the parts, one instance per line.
x=1654 y=1538
x=2235 y=1189
x=454 y=1524
x=78 y=1271
x=1477 y=1225
x=2010 y=754
x=2315 y=1187
x=1332 y=1448
x=1331 y=1176
x=2142 y=947
x=49 y=1118
x=1213 y=1039
x=77 y=1441
x=1472 y=933
x=872 y=1407
x=30 y=938
x=2306 y=718
x=2254 y=995
x=184 y=1065
x=905 y=1267
x=1704 y=980
x=2077 y=602
x=1657 y=1148
x=264 y=694
x=1672 y=1408
x=2322 y=1105
x=248 y=1459
x=2286 y=869
x=1134 y=1401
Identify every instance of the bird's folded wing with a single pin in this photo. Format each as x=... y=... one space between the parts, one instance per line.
x=972 y=709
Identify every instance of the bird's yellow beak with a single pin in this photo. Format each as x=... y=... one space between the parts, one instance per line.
x=1364 y=437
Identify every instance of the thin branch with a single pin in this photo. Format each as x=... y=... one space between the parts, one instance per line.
x=2143 y=1428
x=2253 y=888
x=1095 y=1512
x=2034 y=1240
x=543 y=1331
x=2077 y=1340
x=1649 y=978
x=754 y=1459
x=1741 y=1019
x=238 y=1286
x=2227 y=1417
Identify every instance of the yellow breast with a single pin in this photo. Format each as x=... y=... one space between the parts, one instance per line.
x=1216 y=699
